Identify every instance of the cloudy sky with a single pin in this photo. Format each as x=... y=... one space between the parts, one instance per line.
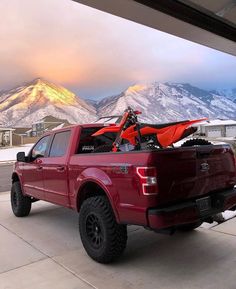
x=96 y=54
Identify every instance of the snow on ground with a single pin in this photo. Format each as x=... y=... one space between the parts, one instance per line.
x=9 y=154
x=227 y=215
x=226 y=138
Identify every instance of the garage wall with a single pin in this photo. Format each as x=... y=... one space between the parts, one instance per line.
x=215 y=131
x=16 y=140
x=230 y=131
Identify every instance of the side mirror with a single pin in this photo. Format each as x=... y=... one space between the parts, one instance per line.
x=20 y=157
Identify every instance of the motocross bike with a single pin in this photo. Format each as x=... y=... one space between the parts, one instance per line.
x=133 y=135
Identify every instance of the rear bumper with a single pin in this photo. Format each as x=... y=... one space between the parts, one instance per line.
x=190 y=212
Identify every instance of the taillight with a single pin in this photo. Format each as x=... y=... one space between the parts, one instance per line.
x=148 y=179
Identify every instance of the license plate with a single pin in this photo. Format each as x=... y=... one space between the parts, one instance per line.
x=204 y=204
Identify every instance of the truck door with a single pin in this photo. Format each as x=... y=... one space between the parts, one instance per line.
x=55 y=170
x=33 y=170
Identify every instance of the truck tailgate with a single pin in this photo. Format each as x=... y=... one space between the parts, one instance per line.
x=190 y=172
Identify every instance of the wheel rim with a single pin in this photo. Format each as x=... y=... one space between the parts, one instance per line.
x=94 y=231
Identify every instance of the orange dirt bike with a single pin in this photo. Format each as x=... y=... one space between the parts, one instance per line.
x=133 y=135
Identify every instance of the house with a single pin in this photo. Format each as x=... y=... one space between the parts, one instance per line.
x=21 y=136
x=22 y=131
x=6 y=136
x=47 y=123
x=219 y=128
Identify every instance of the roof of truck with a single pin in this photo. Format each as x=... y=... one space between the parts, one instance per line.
x=75 y=125
x=93 y=125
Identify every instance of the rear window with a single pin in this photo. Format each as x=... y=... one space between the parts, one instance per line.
x=60 y=144
x=89 y=143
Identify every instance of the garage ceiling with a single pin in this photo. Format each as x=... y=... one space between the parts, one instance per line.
x=224 y=10
x=208 y=22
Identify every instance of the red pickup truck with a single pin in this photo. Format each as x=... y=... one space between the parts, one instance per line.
x=160 y=189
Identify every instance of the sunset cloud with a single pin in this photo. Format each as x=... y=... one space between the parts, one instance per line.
x=97 y=54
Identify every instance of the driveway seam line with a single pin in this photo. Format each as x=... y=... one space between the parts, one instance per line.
x=74 y=273
x=22 y=266
x=229 y=234
x=46 y=257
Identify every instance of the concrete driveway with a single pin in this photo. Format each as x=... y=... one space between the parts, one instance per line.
x=44 y=251
x=5 y=177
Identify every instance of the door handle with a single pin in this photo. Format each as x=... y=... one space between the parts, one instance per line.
x=60 y=168
x=39 y=168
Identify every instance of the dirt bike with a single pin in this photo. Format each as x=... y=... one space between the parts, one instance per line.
x=134 y=135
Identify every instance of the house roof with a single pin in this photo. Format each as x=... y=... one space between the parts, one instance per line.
x=21 y=130
x=6 y=129
x=51 y=119
x=59 y=126
x=56 y=126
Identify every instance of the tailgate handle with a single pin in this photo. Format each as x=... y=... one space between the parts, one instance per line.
x=202 y=154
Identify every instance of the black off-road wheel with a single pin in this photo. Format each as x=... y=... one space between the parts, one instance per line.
x=103 y=238
x=189 y=227
x=20 y=204
x=196 y=142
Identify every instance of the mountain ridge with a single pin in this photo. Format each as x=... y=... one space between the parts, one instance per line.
x=159 y=102
x=163 y=102
x=38 y=98
x=229 y=93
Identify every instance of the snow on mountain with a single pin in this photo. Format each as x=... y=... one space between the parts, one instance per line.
x=28 y=103
x=159 y=102
x=91 y=102
x=229 y=93
x=164 y=102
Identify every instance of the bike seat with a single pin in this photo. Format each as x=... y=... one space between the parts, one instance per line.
x=161 y=125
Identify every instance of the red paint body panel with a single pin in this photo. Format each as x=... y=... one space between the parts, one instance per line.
x=180 y=178
x=55 y=178
x=32 y=178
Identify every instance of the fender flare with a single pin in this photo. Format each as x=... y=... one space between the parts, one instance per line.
x=102 y=180
x=15 y=175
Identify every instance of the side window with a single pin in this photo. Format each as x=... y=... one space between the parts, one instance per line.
x=60 y=144
x=40 y=148
x=89 y=143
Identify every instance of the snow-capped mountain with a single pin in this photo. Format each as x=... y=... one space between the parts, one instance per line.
x=159 y=102
x=229 y=93
x=28 y=103
x=164 y=102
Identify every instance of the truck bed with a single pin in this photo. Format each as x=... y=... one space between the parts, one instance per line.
x=183 y=173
